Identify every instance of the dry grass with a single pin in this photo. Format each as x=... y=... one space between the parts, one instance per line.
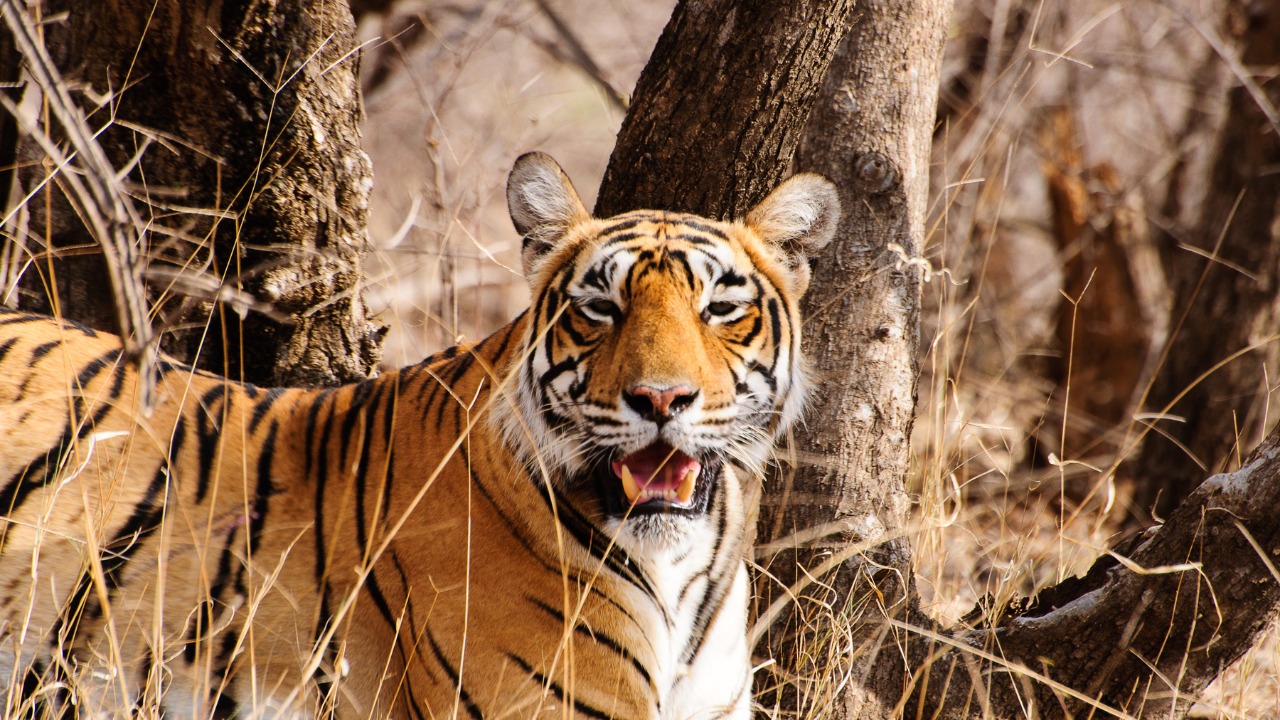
x=1101 y=90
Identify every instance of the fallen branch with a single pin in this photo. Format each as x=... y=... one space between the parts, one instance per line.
x=1141 y=636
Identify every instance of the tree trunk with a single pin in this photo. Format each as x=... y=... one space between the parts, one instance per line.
x=239 y=123
x=871 y=133
x=719 y=108
x=1237 y=225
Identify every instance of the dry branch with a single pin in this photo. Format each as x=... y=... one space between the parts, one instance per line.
x=577 y=54
x=99 y=198
x=1144 y=632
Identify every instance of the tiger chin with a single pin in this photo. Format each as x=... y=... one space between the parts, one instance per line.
x=552 y=521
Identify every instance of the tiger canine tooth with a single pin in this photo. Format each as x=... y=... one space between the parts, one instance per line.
x=629 y=485
x=685 y=491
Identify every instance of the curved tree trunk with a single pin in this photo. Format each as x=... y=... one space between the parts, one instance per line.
x=238 y=127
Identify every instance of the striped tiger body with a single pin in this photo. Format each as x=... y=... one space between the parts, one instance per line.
x=551 y=521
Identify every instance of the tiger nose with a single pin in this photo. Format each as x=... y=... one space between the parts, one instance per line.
x=659 y=405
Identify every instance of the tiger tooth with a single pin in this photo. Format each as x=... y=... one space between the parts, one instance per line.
x=685 y=491
x=629 y=485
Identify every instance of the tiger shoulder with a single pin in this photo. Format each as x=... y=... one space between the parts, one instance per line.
x=550 y=521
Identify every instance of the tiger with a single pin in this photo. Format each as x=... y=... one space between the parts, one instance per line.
x=552 y=521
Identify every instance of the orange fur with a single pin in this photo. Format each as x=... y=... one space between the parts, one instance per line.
x=416 y=545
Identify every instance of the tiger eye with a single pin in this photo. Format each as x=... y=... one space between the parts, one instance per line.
x=721 y=308
x=602 y=307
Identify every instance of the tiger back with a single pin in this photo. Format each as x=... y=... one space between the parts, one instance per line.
x=552 y=521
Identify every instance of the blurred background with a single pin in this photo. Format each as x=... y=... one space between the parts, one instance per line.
x=1073 y=174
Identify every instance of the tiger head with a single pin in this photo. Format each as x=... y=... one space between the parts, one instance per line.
x=661 y=348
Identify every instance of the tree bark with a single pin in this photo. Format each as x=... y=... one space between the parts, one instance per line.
x=870 y=133
x=240 y=122
x=1237 y=225
x=719 y=108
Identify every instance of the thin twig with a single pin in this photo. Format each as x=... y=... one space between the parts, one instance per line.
x=579 y=56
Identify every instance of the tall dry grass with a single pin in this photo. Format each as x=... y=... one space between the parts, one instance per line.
x=1015 y=486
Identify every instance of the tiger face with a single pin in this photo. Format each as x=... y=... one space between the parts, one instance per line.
x=663 y=349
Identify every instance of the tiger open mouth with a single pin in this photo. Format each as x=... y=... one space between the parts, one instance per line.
x=659 y=479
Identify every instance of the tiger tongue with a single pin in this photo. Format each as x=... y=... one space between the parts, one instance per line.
x=657 y=472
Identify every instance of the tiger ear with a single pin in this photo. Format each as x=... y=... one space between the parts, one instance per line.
x=543 y=206
x=800 y=216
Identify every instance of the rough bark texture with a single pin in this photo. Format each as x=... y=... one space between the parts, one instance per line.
x=251 y=174
x=871 y=133
x=1226 y=403
x=720 y=106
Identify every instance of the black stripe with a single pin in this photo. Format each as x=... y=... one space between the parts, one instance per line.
x=764 y=373
x=462 y=364
x=507 y=333
x=15 y=492
x=413 y=622
x=622 y=238
x=556 y=690
x=317 y=457
x=67 y=625
x=598 y=637
x=265 y=488
x=693 y=239
x=322 y=480
x=472 y=709
x=146 y=515
x=362 y=538
x=450 y=382
x=40 y=351
x=717 y=590
x=6 y=347
x=362 y=471
x=260 y=409
x=596 y=543
x=31 y=682
x=624 y=225
x=221 y=580
x=208 y=433
x=753 y=333
x=512 y=527
x=229 y=642
x=704 y=228
x=23 y=319
x=88 y=331
x=359 y=394
x=203 y=621
x=777 y=327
